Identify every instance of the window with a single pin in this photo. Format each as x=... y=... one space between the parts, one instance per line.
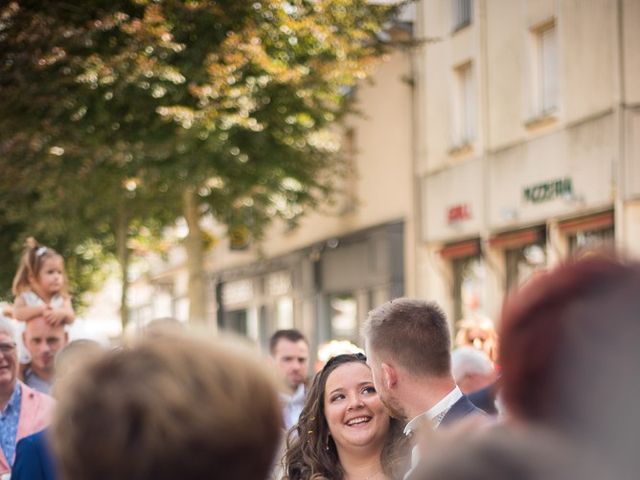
x=545 y=70
x=591 y=240
x=462 y=13
x=464 y=106
x=469 y=280
x=284 y=313
x=589 y=233
x=236 y=321
x=523 y=262
x=344 y=317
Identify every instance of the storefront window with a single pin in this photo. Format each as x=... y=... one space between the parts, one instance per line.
x=284 y=313
x=344 y=317
x=591 y=240
x=469 y=280
x=236 y=321
x=522 y=262
x=181 y=306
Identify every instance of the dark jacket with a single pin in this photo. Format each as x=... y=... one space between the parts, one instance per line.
x=460 y=409
x=485 y=398
x=33 y=459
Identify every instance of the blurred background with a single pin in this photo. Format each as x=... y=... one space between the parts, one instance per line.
x=252 y=166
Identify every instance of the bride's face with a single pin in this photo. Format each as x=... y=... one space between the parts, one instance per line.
x=354 y=413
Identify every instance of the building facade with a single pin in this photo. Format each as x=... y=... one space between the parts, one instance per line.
x=506 y=139
x=528 y=114
x=323 y=276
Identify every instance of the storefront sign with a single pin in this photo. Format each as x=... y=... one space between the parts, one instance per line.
x=278 y=283
x=546 y=191
x=239 y=291
x=458 y=213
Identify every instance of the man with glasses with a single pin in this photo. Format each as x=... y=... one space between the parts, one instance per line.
x=23 y=411
x=43 y=341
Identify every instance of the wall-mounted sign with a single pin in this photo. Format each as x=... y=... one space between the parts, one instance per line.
x=278 y=283
x=239 y=291
x=543 y=192
x=459 y=212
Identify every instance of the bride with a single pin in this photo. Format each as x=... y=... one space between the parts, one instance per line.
x=344 y=432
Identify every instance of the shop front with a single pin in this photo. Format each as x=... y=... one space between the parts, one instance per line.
x=325 y=290
x=457 y=274
x=550 y=198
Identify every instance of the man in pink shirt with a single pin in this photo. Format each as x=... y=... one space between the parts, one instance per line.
x=23 y=411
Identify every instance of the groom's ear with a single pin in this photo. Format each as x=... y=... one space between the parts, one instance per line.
x=389 y=375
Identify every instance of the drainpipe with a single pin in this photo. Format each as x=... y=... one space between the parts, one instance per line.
x=619 y=168
x=418 y=131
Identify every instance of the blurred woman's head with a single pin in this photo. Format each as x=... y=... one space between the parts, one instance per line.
x=569 y=345
x=172 y=406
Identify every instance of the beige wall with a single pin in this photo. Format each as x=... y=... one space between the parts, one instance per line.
x=382 y=162
x=631 y=233
x=631 y=168
x=631 y=39
x=587 y=53
x=580 y=140
x=507 y=64
x=444 y=51
x=591 y=138
x=583 y=153
x=460 y=186
x=382 y=185
x=588 y=50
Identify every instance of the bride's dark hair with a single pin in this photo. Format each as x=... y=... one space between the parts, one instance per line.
x=311 y=452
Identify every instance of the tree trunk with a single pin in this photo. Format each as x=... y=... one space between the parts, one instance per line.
x=195 y=261
x=122 y=235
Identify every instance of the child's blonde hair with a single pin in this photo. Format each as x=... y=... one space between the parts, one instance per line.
x=31 y=263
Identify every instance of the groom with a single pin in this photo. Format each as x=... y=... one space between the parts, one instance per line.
x=408 y=349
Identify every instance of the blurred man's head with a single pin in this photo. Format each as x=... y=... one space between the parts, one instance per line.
x=72 y=358
x=506 y=454
x=43 y=341
x=8 y=356
x=472 y=369
x=290 y=353
x=169 y=407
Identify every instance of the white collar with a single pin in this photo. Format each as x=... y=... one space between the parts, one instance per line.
x=297 y=396
x=443 y=405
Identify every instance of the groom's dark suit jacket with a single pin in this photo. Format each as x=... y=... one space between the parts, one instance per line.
x=460 y=409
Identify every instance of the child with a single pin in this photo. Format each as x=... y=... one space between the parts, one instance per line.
x=39 y=286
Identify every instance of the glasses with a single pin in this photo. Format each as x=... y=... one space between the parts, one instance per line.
x=7 y=347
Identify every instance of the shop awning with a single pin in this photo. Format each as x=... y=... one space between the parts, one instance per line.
x=600 y=221
x=516 y=239
x=467 y=248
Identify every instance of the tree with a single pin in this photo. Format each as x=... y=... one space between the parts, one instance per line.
x=223 y=104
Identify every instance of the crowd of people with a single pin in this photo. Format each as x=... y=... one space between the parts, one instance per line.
x=548 y=396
